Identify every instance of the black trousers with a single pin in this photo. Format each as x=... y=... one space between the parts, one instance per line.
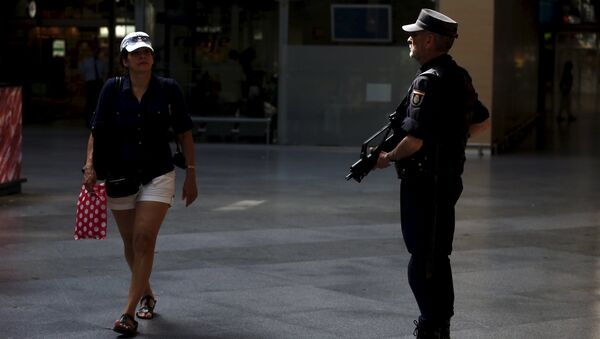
x=427 y=217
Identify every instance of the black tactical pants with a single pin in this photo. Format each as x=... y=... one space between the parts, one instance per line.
x=427 y=217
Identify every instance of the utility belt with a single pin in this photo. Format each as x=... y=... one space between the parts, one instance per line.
x=422 y=166
x=412 y=167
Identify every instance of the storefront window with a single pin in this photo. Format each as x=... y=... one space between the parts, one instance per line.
x=223 y=54
x=58 y=48
x=579 y=11
x=44 y=48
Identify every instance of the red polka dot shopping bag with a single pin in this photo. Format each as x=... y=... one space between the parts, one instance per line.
x=91 y=219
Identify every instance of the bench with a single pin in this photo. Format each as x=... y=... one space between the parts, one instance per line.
x=234 y=120
x=480 y=147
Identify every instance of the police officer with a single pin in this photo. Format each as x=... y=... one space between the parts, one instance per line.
x=439 y=113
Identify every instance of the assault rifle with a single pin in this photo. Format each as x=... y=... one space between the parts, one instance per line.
x=368 y=157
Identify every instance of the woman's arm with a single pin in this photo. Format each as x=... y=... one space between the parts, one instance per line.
x=190 y=190
x=89 y=174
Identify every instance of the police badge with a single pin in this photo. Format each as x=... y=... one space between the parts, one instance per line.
x=417 y=98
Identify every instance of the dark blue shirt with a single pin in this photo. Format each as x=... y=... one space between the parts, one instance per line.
x=136 y=133
x=441 y=105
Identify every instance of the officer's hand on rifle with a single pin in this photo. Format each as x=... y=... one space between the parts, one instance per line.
x=383 y=160
x=370 y=156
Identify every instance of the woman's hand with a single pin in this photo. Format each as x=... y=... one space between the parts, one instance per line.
x=189 y=191
x=89 y=178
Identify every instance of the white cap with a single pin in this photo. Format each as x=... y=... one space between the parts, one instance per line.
x=135 y=40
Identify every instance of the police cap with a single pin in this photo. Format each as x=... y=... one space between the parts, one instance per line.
x=432 y=21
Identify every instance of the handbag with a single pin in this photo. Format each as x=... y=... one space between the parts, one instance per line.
x=178 y=157
x=91 y=218
x=122 y=186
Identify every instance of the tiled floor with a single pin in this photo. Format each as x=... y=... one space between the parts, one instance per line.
x=311 y=255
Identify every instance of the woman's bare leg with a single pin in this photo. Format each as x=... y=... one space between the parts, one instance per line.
x=125 y=220
x=149 y=215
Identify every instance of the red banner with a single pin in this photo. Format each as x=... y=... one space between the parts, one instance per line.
x=10 y=134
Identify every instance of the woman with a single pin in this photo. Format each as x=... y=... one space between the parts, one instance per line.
x=129 y=145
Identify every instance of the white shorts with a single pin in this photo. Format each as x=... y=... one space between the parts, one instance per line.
x=160 y=189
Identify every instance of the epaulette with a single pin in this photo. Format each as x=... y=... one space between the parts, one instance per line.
x=432 y=71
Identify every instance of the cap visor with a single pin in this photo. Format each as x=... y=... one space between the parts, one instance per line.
x=412 y=28
x=139 y=44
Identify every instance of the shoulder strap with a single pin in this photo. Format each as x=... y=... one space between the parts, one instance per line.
x=117 y=85
x=118 y=81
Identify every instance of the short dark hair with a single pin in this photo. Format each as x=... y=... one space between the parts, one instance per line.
x=123 y=56
x=443 y=42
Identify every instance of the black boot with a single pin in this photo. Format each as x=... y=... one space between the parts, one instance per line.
x=425 y=330
x=445 y=330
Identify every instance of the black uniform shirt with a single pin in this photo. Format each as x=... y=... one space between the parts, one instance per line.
x=441 y=105
x=137 y=132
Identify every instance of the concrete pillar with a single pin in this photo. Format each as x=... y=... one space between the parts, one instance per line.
x=140 y=15
x=284 y=9
x=474 y=48
x=235 y=27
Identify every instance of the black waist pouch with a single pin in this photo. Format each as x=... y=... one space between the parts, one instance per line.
x=122 y=186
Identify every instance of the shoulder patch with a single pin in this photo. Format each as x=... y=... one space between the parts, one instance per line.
x=416 y=97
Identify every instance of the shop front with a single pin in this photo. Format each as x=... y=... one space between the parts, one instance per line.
x=333 y=75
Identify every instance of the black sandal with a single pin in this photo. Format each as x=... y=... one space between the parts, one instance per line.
x=126 y=325
x=146 y=311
